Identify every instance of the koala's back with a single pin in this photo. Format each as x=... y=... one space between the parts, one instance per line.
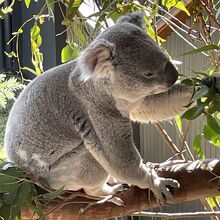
x=39 y=127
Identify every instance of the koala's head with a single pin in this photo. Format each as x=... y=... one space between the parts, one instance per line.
x=132 y=62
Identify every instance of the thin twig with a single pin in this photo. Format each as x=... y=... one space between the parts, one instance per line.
x=178 y=34
x=204 y=6
x=168 y=140
x=176 y=215
x=184 y=143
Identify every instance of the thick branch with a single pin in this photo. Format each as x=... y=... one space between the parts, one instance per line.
x=197 y=179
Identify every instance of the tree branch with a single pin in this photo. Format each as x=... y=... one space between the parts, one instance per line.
x=197 y=179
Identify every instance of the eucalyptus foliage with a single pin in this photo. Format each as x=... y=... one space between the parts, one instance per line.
x=18 y=189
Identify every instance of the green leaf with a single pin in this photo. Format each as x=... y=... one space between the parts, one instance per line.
x=5 y=212
x=73 y=7
x=50 y=6
x=182 y=7
x=200 y=73
x=179 y=123
x=69 y=53
x=8 y=187
x=11 y=54
x=9 y=169
x=79 y=34
x=194 y=112
x=3 y=154
x=216 y=102
x=187 y=82
x=2 y=14
x=197 y=146
x=9 y=197
x=8 y=177
x=33 y=204
x=4 y=179
x=200 y=93
x=175 y=3
x=52 y=195
x=202 y=49
x=23 y=191
x=211 y=136
x=211 y=202
x=114 y=15
x=213 y=124
x=29 y=69
x=35 y=32
x=208 y=133
x=27 y=3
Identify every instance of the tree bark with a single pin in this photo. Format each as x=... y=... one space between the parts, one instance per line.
x=197 y=180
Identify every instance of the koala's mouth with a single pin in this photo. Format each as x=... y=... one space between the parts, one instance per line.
x=160 y=89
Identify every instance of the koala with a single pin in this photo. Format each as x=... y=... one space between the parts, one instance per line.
x=71 y=126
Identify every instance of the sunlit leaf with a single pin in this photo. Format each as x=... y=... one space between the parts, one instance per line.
x=211 y=135
x=2 y=14
x=28 y=69
x=211 y=202
x=114 y=16
x=208 y=133
x=175 y=3
x=213 y=124
x=73 y=7
x=11 y=54
x=200 y=73
x=202 y=49
x=35 y=31
x=197 y=146
x=179 y=122
x=182 y=7
x=37 y=56
x=27 y=3
x=5 y=11
x=69 y=53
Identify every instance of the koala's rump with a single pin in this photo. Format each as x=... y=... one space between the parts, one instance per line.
x=40 y=128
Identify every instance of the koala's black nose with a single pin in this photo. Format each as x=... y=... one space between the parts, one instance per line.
x=171 y=74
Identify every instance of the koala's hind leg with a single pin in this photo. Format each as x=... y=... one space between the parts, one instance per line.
x=106 y=190
x=81 y=171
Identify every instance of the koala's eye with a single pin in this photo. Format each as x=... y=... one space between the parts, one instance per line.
x=147 y=75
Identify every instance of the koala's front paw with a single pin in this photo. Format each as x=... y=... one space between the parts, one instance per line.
x=212 y=81
x=159 y=187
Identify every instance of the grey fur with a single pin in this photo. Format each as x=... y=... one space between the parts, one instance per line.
x=71 y=125
x=136 y=18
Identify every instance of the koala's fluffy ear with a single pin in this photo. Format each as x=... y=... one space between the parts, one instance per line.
x=136 y=18
x=95 y=59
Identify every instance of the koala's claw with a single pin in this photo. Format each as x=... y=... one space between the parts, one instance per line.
x=117 y=201
x=159 y=187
